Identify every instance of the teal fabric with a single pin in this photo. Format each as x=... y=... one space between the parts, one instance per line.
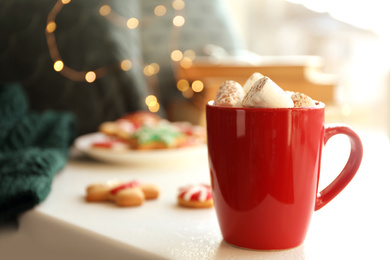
x=33 y=149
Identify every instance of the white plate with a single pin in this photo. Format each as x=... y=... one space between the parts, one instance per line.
x=144 y=157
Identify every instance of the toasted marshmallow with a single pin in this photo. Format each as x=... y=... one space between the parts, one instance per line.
x=266 y=94
x=301 y=100
x=229 y=94
x=251 y=80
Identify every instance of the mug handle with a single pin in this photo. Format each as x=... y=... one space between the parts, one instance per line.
x=350 y=168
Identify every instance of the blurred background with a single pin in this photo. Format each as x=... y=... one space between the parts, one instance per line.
x=103 y=59
x=350 y=37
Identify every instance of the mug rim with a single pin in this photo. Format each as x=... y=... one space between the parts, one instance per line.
x=319 y=105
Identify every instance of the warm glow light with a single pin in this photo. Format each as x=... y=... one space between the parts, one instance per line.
x=132 y=23
x=151 y=100
x=58 y=65
x=178 y=4
x=188 y=93
x=185 y=58
x=90 y=76
x=160 y=10
x=126 y=65
x=183 y=85
x=51 y=27
x=186 y=63
x=156 y=67
x=176 y=55
x=178 y=21
x=105 y=10
x=197 y=86
x=154 y=108
x=151 y=69
x=190 y=54
x=147 y=70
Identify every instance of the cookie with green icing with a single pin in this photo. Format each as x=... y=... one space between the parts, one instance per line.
x=155 y=136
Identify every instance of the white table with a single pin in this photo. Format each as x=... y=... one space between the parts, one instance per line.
x=355 y=225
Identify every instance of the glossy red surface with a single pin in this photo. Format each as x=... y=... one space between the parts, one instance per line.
x=264 y=166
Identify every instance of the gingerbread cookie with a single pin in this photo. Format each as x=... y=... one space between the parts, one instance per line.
x=196 y=196
x=124 y=194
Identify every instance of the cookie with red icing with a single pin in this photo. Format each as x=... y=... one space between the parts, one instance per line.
x=124 y=194
x=195 y=196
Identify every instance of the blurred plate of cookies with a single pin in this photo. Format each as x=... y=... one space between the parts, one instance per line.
x=144 y=138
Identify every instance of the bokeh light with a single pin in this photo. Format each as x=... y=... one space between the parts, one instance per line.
x=183 y=85
x=178 y=21
x=151 y=100
x=105 y=10
x=58 y=65
x=51 y=27
x=197 y=86
x=190 y=54
x=176 y=55
x=154 y=108
x=178 y=4
x=126 y=65
x=132 y=23
x=160 y=10
x=189 y=93
x=90 y=76
x=186 y=63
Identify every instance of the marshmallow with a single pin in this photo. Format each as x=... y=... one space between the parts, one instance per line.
x=289 y=93
x=301 y=100
x=266 y=94
x=251 y=80
x=229 y=94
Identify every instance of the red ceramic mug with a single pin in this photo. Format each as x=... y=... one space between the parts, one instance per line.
x=265 y=166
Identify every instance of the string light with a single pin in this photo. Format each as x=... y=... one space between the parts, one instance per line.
x=151 y=69
x=156 y=67
x=126 y=65
x=176 y=55
x=58 y=65
x=190 y=54
x=152 y=103
x=185 y=59
x=160 y=10
x=186 y=63
x=151 y=100
x=189 y=93
x=90 y=76
x=132 y=23
x=197 y=86
x=154 y=108
x=105 y=10
x=183 y=85
x=51 y=27
x=178 y=4
x=178 y=21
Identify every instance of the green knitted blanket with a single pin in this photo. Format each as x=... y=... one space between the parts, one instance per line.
x=33 y=148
